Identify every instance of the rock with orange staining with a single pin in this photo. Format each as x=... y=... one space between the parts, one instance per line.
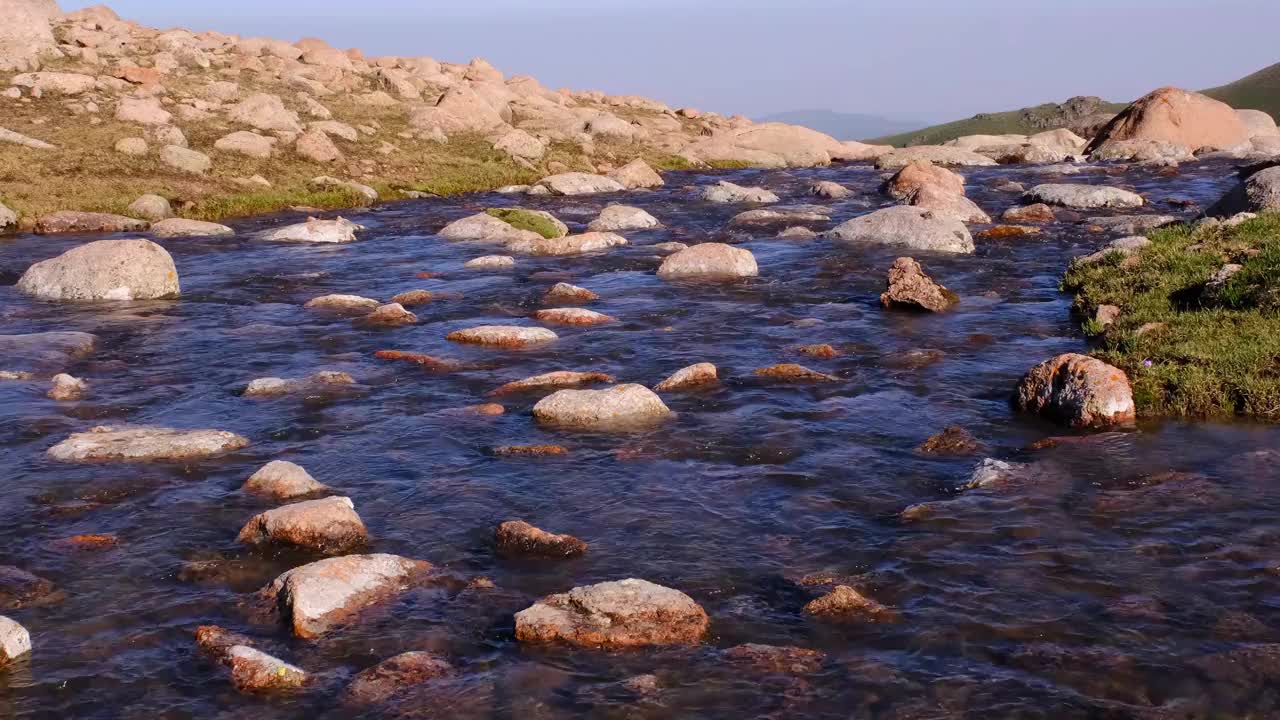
x=580 y=317
x=516 y=537
x=557 y=379
x=330 y=525
x=614 y=615
x=909 y=287
x=691 y=376
x=1001 y=232
x=426 y=361
x=821 y=352
x=530 y=450
x=777 y=659
x=791 y=371
x=426 y=275
x=845 y=602
x=255 y=671
x=503 y=336
x=1078 y=391
x=413 y=297
x=393 y=676
x=218 y=640
x=565 y=294
x=342 y=304
x=485 y=410
x=1037 y=213
x=88 y=542
x=390 y=314
x=953 y=440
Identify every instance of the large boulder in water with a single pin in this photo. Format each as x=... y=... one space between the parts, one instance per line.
x=772 y=145
x=1260 y=192
x=621 y=614
x=104 y=270
x=142 y=443
x=1076 y=390
x=314 y=598
x=920 y=174
x=1083 y=197
x=909 y=287
x=26 y=33
x=619 y=407
x=709 y=261
x=909 y=226
x=330 y=525
x=1178 y=117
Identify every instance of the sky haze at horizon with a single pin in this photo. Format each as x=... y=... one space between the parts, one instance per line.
x=921 y=60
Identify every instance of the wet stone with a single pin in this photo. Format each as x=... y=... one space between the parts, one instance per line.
x=330 y=525
x=140 y=443
x=954 y=440
x=791 y=371
x=566 y=294
x=20 y=589
x=697 y=375
x=315 y=598
x=516 y=537
x=845 y=602
x=282 y=480
x=620 y=614
x=579 y=317
x=557 y=379
x=392 y=676
x=530 y=450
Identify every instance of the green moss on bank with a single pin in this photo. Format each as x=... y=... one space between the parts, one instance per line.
x=526 y=220
x=1188 y=352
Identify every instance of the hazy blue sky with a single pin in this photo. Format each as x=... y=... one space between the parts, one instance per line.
x=918 y=59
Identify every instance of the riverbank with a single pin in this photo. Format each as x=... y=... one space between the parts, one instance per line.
x=1192 y=318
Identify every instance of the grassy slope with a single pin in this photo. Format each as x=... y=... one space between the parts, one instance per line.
x=1210 y=358
x=1259 y=91
x=86 y=173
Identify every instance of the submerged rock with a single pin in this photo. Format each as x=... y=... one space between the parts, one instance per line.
x=390 y=314
x=621 y=614
x=282 y=480
x=343 y=303
x=618 y=407
x=845 y=602
x=491 y=262
x=910 y=287
x=141 y=443
x=1076 y=390
x=953 y=440
x=557 y=379
x=1083 y=196
x=571 y=245
x=339 y=230
x=15 y=641
x=572 y=316
x=392 y=676
x=727 y=192
x=504 y=336
x=791 y=371
x=104 y=270
x=566 y=294
x=516 y=537
x=330 y=525
x=20 y=589
x=709 y=261
x=1037 y=213
x=692 y=376
x=776 y=659
x=765 y=217
x=829 y=190
x=273 y=387
x=52 y=350
x=910 y=226
x=66 y=387
x=315 y=598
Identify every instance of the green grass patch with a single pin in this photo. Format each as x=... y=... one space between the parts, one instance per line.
x=527 y=220
x=730 y=165
x=1189 y=352
x=258 y=202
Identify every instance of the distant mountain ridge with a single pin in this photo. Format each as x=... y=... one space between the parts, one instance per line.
x=1259 y=91
x=843 y=126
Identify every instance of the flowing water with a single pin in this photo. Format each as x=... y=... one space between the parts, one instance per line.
x=1091 y=593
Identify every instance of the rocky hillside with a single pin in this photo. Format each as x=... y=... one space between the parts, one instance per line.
x=96 y=111
x=1259 y=91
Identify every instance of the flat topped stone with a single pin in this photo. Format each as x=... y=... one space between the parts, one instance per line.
x=315 y=598
x=576 y=183
x=338 y=230
x=1083 y=196
x=510 y=336
x=142 y=443
x=619 y=407
x=329 y=525
x=620 y=614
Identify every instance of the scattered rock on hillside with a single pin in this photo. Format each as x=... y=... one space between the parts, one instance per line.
x=637 y=175
x=909 y=226
x=264 y=112
x=330 y=525
x=180 y=228
x=16 y=138
x=910 y=287
x=934 y=154
x=621 y=614
x=282 y=480
x=70 y=221
x=245 y=142
x=516 y=537
x=621 y=217
x=15 y=641
x=1076 y=390
x=709 y=261
x=620 y=407
x=188 y=161
x=504 y=336
x=1178 y=117
x=726 y=192
x=150 y=207
x=316 y=146
x=1083 y=196
x=317 y=597
x=141 y=443
x=696 y=375
x=143 y=111
x=338 y=230
x=104 y=270
x=26 y=36
x=576 y=183
x=776 y=145
x=364 y=191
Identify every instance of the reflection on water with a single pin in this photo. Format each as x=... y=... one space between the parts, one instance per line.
x=1093 y=590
